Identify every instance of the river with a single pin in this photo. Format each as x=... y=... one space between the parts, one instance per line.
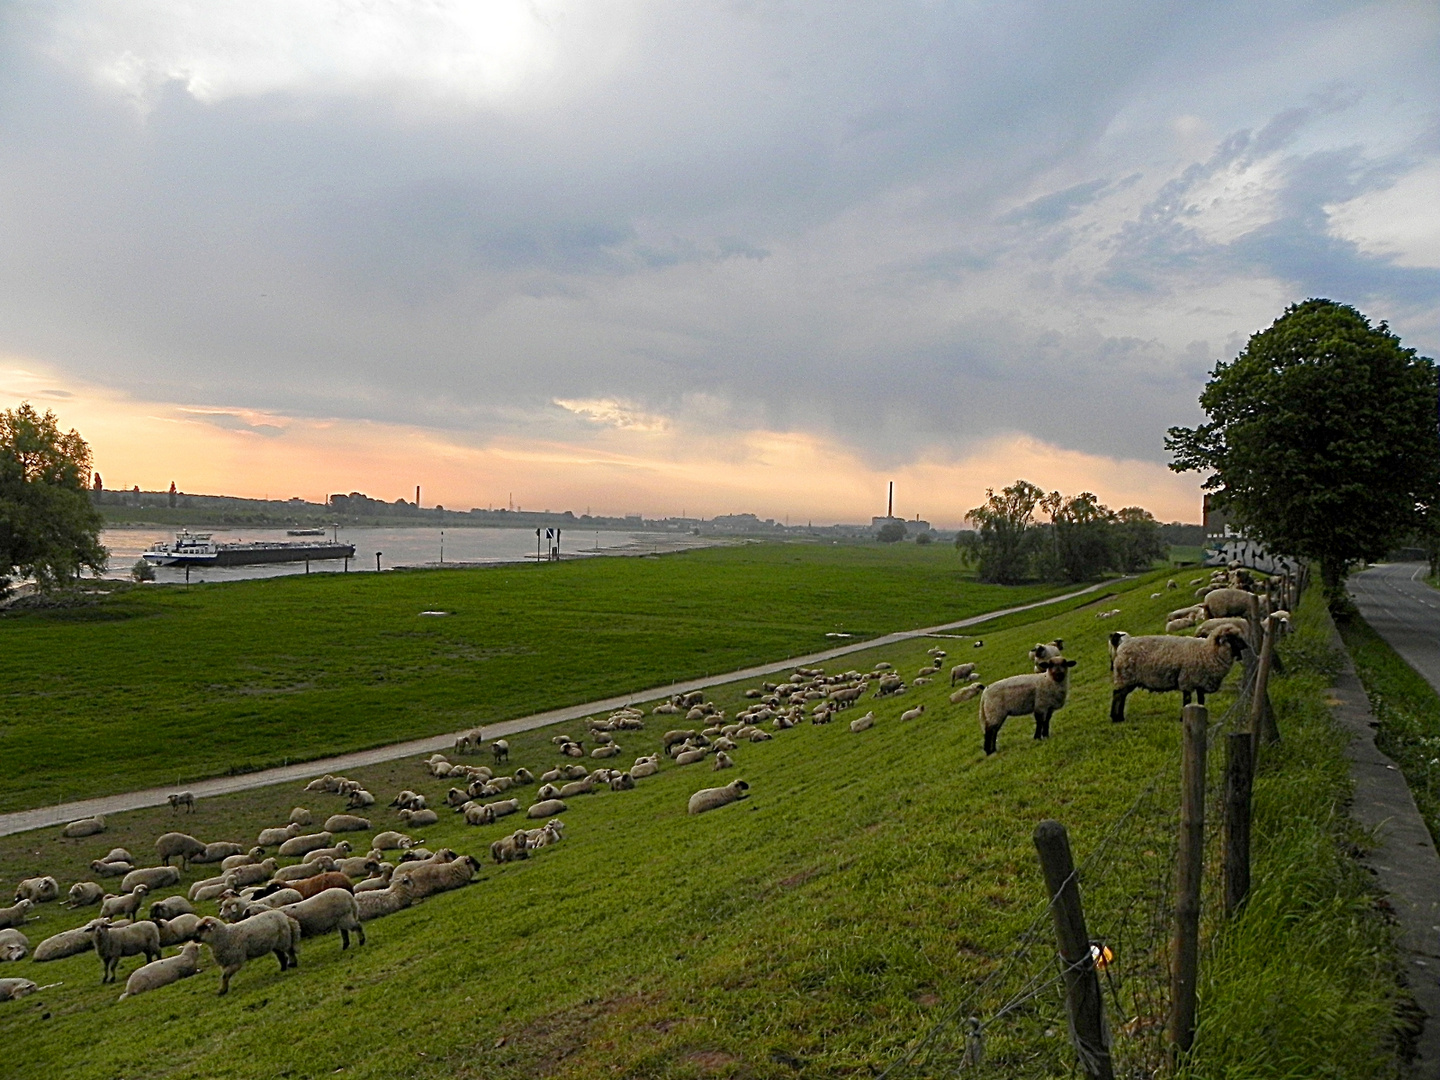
x=397 y=547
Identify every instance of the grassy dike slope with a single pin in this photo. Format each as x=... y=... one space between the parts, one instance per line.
x=158 y=686
x=815 y=929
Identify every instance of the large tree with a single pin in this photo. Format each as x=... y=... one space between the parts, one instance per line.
x=48 y=529
x=1005 y=537
x=1322 y=438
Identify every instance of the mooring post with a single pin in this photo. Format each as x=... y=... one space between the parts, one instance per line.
x=1082 y=985
x=1239 y=776
x=1185 y=946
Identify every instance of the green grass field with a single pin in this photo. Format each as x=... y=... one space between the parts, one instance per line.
x=156 y=686
x=816 y=929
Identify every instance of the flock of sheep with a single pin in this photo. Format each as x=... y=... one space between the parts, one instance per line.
x=326 y=884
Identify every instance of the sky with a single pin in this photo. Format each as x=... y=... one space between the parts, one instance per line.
x=701 y=258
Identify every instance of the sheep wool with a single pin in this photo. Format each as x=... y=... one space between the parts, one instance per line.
x=716 y=797
x=160 y=973
x=1160 y=664
x=231 y=946
x=1040 y=694
x=13 y=945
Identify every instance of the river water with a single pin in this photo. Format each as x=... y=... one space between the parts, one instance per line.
x=398 y=547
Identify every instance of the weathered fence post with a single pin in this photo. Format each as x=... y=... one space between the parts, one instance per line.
x=1262 y=716
x=1185 y=947
x=1083 y=1002
x=1239 y=774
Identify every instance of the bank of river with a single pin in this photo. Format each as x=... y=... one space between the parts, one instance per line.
x=398 y=547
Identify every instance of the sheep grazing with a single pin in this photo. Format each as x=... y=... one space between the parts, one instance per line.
x=13 y=945
x=114 y=943
x=85 y=826
x=1223 y=603
x=374 y=903
x=178 y=845
x=126 y=904
x=338 y=823
x=501 y=750
x=961 y=672
x=182 y=798
x=716 y=797
x=863 y=723
x=314 y=886
x=231 y=946
x=178 y=930
x=431 y=878
x=15 y=914
x=275 y=837
x=82 y=894
x=967 y=692
x=301 y=845
x=300 y=816
x=546 y=808
x=170 y=908
x=913 y=714
x=510 y=848
x=38 y=890
x=322 y=912
x=218 y=852
x=67 y=943
x=1162 y=664
x=1039 y=694
x=12 y=989
x=160 y=973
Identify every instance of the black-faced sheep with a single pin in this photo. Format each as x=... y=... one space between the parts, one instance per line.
x=716 y=797
x=231 y=946
x=1039 y=694
x=160 y=973
x=1160 y=664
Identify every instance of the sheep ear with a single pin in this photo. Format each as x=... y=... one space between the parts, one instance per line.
x=1070 y=663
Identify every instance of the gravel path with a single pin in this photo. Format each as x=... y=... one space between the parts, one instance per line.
x=41 y=817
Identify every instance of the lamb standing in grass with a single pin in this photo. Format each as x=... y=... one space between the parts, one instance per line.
x=1039 y=694
x=160 y=973
x=1160 y=664
x=231 y=946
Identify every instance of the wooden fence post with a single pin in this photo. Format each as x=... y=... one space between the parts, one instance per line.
x=1083 y=1002
x=1262 y=715
x=1239 y=774
x=1185 y=947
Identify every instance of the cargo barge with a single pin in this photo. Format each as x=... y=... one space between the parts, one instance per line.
x=198 y=549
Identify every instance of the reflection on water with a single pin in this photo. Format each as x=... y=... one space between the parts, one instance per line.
x=397 y=547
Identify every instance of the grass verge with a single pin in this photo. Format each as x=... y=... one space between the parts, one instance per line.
x=815 y=929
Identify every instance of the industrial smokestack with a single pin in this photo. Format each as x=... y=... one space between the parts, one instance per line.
x=417 y=496
x=890 y=506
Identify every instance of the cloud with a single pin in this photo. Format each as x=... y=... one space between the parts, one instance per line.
x=902 y=232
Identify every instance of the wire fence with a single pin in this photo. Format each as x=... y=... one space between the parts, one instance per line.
x=1014 y=1022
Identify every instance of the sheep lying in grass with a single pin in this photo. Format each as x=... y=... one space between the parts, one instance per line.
x=339 y=851
x=12 y=989
x=38 y=890
x=169 y=908
x=231 y=946
x=417 y=819
x=160 y=973
x=332 y=909
x=714 y=798
x=13 y=945
x=391 y=841
x=546 y=808
x=1160 y=664
x=967 y=692
x=314 y=886
x=302 y=845
x=66 y=943
x=431 y=878
x=111 y=867
x=178 y=930
x=913 y=714
x=302 y=870
x=218 y=852
x=1039 y=694
x=339 y=823
x=113 y=943
x=85 y=826
x=241 y=876
x=863 y=723
x=152 y=877
x=374 y=903
x=15 y=914
x=512 y=847
x=178 y=845
x=85 y=893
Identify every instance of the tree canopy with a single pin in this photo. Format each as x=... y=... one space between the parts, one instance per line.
x=1322 y=438
x=48 y=529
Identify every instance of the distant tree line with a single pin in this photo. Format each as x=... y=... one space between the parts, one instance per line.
x=1026 y=534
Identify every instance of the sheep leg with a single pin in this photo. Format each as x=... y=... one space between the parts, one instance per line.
x=344 y=938
x=225 y=981
x=1117 y=703
x=991 y=734
x=361 y=931
x=280 y=955
x=1039 y=725
x=1185 y=697
x=1200 y=696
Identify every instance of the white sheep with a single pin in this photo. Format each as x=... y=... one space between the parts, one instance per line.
x=338 y=823
x=431 y=878
x=231 y=946
x=38 y=890
x=333 y=909
x=391 y=841
x=913 y=714
x=178 y=845
x=300 y=845
x=182 y=798
x=169 y=908
x=15 y=914
x=113 y=943
x=126 y=904
x=863 y=723
x=178 y=930
x=1039 y=694
x=546 y=808
x=160 y=973
x=714 y=798
x=83 y=894
x=416 y=819
x=85 y=826
x=13 y=945
x=218 y=852
x=1160 y=664
x=965 y=693
x=66 y=943
x=373 y=903
x=299 y=815
x=275 y=837
x=13 y=989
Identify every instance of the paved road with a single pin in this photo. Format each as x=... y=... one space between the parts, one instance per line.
x=25 y=820
x=1395 y=600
